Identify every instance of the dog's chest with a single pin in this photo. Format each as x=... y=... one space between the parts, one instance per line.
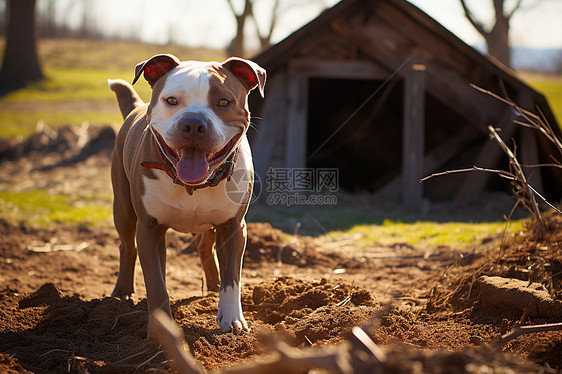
x=172 y=206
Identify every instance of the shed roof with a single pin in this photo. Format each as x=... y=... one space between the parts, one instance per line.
x=390 y=34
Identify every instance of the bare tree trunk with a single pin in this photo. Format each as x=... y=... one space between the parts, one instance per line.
x=497 y=37
x=20 y=64
x=236 y=47
x=497 y=41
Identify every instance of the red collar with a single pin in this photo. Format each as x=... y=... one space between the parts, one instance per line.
x=223 y=172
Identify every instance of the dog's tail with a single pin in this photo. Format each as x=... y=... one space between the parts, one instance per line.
x=127 y=98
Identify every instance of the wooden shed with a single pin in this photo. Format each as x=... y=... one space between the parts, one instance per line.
x=381 y=92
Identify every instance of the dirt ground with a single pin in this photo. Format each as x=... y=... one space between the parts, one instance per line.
x=431 y=311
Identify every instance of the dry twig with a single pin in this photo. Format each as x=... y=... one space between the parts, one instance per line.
x=171 y=337
x=523 y=330
x=284 y=358
x=124 y=315
x=147 y=361
x=288 y=359
x=523 y=191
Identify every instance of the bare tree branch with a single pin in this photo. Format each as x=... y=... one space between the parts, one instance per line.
x=501 y=173
x=515 y=9
x=265 y=37
x=232 y=9
x=477 y=24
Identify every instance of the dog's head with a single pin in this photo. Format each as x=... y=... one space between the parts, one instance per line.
x=199 y=110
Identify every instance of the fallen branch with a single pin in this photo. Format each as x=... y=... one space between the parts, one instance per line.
x=171 y=337
x=285 y=359
x=124 y=315
x=523 y=330
x=288 y=359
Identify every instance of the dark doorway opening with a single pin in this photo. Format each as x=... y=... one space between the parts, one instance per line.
x=365 y=145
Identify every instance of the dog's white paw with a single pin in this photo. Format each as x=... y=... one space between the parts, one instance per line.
x=230 y=317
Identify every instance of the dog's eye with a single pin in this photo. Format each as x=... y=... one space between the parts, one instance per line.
x=172 y=100
x=223 y=103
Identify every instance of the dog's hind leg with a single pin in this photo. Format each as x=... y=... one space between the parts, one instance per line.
x=205 y=242
x=125 y=223
x=151 y=240
x=125 y=220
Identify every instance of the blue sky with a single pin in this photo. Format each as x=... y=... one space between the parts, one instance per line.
x=209 y=23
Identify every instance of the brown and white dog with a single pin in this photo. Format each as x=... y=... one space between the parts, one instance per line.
x=172 y=167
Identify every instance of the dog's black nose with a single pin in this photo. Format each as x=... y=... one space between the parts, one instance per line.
x=193 y=126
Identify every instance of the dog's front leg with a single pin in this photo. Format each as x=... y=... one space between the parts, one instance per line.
x=231 y=242
x=151 y=243
x=205 y=242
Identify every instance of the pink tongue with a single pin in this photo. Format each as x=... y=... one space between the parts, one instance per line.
x=192 y=166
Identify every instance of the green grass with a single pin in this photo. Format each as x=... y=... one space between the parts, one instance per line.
x=367 y=227
x=75 y=89
x=73 y=85
x=37 y=207
x=66 y=97
x=24 y=124
x=423 y=234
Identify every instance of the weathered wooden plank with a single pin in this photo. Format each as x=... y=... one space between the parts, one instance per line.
x=297 y=109
x=419 y=34
x=272 y=124
x=413 y=139
x=446 y=86
x=350 y=69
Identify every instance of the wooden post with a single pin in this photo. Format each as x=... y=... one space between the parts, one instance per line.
x=297 y=107
x=413 y=136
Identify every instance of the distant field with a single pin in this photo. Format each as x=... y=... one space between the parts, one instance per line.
x=75 y=90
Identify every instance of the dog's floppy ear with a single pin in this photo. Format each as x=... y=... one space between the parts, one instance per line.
x=155 y=67
x=248 y=72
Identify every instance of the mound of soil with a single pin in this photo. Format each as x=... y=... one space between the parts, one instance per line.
x=270 y=244
x=55 y=315
x=533 y=257
x=64 y=146
x=430 y=311
x=519 y=284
